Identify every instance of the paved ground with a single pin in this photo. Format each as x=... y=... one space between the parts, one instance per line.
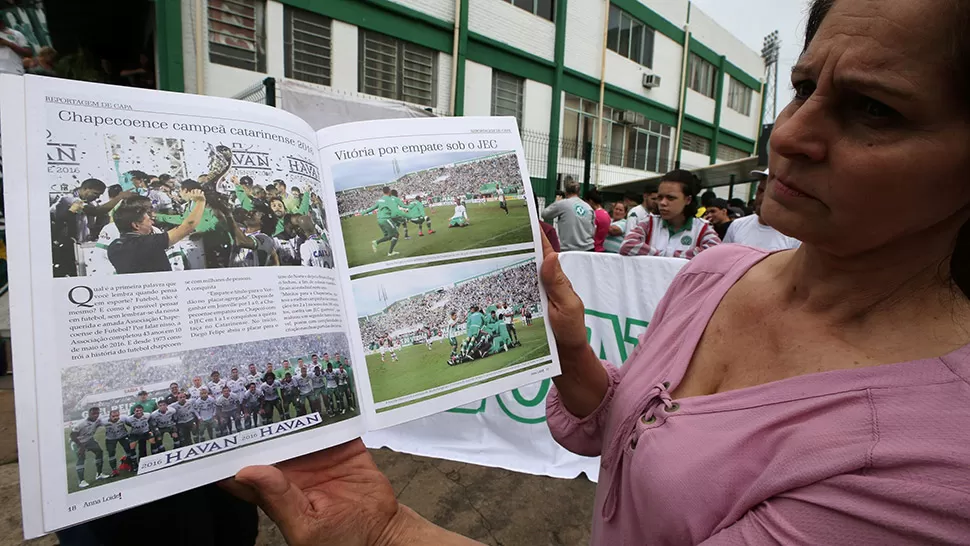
x=494 y=506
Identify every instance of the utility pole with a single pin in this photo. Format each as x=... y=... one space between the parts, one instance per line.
x=769 y=52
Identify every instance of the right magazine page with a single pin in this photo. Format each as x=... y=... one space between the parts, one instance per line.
x=441 y=234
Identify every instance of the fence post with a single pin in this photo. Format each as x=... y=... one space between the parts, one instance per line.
x=731 y=188
x=270 y=84
x=587 y=165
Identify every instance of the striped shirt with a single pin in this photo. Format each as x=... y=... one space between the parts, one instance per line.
x=653 y=236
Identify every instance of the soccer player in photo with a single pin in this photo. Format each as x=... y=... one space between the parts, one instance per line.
x=140 y=434
x=319 y=382
x=271 y=397
x=387 y=209
x=343 y=386
x=227 y=412
x=269 y=369
x=72 y=217
x=304 y=385
x=500 y=193
x=146 y=404
x=383 y=347
x=216 y=382
x=251 y=403
x=332 y=390
x=260 y=249
x=452 y=332
x=173 y=394
x=116 y=433
x=460 y=217
x=82 y=434
x=140 y=249
x=236 y=384
x=286 y=369
x=162 y=422
x=184 y=420
x=417 y=215
x=508 y=317
x=196 y=387
x=253 y=376
x=204 y=408
x=289 y=392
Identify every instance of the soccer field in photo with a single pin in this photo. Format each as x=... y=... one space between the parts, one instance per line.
x=90 y=466
x=419 y=369
x=489 y=226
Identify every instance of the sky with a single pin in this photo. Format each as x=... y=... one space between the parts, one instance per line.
x=752 y=20
x=365 y=172
x=403 y=284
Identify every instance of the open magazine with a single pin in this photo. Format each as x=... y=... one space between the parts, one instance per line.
x=201 y=284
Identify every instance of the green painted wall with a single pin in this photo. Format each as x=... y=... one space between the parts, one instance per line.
x=168 y=32
x=552 y=163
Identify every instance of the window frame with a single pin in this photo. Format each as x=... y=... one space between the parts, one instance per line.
x=534 y=8
x=739 y=97
x=290 y=50
x=221 y=53
x=397 y=58
x=640 y=53
x=699 y=72
x=519 y=92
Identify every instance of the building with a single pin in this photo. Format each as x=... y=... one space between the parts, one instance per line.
x=676 y=87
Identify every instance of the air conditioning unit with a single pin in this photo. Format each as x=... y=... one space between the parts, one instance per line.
x=651 y=80
x=630 y=117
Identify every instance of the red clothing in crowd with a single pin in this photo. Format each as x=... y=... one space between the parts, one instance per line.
x=602 y=220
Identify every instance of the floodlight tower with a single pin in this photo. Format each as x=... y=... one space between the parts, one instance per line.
x=769 y=52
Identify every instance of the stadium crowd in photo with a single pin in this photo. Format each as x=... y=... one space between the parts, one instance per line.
x=117 y=413
x=147 y=222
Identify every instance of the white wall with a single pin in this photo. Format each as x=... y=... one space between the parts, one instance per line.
x=444 y=84
x=584 y=36
x=674 y=11
x=736 y=122
x=500 y=20
x=275 y=54
x=714 y=36
x=343 y=58
x=700 y=106
x=439 y=9
x=188 y=45
x=478 y=89
x=537 y=111
x=627 y=74
x=226 y=81
x=692 y=160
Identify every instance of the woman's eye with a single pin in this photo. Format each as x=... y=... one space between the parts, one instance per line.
x=803 y=89
x=876 y=109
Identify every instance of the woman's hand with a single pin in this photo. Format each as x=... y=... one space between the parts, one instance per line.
x=335 y=496
x=566 y=310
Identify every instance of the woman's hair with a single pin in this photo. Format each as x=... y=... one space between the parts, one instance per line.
x=619 y=204
x=689 y=184
x=593 y=196
x=958 y=54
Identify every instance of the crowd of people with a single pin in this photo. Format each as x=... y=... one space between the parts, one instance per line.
x=440 y=183
x=205 y=405
x=150 y=222
x=669 y=221
x=515 y=287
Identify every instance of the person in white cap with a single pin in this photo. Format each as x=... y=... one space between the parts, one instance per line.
x=753 y=231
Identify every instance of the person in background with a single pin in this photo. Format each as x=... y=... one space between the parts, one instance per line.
x=550 y=233
x=719 y=215
x=707 y=199
x=14 y=47
x=618 y=228
x=560 y=195
x=640 y=212
x=574 y=219
x=601 y=220
x=676 y=232
x=738 y=208
x=630 y=201
x=44 y=63
x=141 y=76
x=139 y=249
x=753 y=230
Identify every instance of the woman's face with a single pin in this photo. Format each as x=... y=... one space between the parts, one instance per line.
x=619 y=211
x=875 y=146
x=671 y=200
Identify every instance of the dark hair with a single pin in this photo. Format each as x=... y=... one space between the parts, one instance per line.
x=138 y=174
x=958 y=45
x=92 y=184
x=246 y=181
x=386 y=189
x=708 y=197
x=689 y=185
x=188 y=185
x=652 y=187
x=719 y=204
x=164 y=177
x=560 y=193
x=114 y=190
x=129 y=212
x=593 y=196
x=156 y=184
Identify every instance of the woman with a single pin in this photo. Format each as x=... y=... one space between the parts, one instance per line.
x=601 y=219
x=617 y=228
x=809 y=396
x=675 y=232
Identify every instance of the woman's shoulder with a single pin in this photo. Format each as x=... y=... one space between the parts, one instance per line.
x=723 y=259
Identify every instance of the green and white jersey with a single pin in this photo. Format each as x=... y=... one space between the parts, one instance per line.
x=331 y=379
x=283 y=371
x=416 y=210
x=227 y=404
x=318 y=381
x=183 y=412
x=114 y=430
x=341 y=377
x=163 y=420
x=269 y=392
x=237 y=386
x=139 y=425
x=204 y=408
x=148 y=406
x=250 y=400
x=85 y=429
x=304 y=384
x=385 y=207
x=289 y=388
x=215 y=387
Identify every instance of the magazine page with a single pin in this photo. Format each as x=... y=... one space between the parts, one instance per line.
x=440 y=231
x=185 y=311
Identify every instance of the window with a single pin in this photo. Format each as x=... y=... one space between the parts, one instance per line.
x=727 y=153
x=306 y=44
x=236 y=34
x=507 y=95
x=543 y=8
x=701 y=76
x=579 y=125
x=696 y=144
x=648 y=147
x=739 y=97
x=397 y=70
x=629 y=37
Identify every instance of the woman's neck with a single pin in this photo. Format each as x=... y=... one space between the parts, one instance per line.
x=908 y=277
x=678 y=221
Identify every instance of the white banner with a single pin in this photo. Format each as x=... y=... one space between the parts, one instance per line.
x=509 y=430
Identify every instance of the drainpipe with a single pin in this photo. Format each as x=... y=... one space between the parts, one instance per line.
x=454 y=57
x=683 y=88
x=599 y=122
x=199 y=48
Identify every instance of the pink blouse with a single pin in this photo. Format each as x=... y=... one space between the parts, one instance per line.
x=877 y=455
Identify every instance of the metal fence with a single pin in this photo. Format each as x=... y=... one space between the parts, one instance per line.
x=263 y=91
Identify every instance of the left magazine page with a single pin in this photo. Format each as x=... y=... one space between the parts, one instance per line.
x=175 y=295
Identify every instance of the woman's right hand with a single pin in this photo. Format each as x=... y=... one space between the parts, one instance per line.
x=566 y=313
